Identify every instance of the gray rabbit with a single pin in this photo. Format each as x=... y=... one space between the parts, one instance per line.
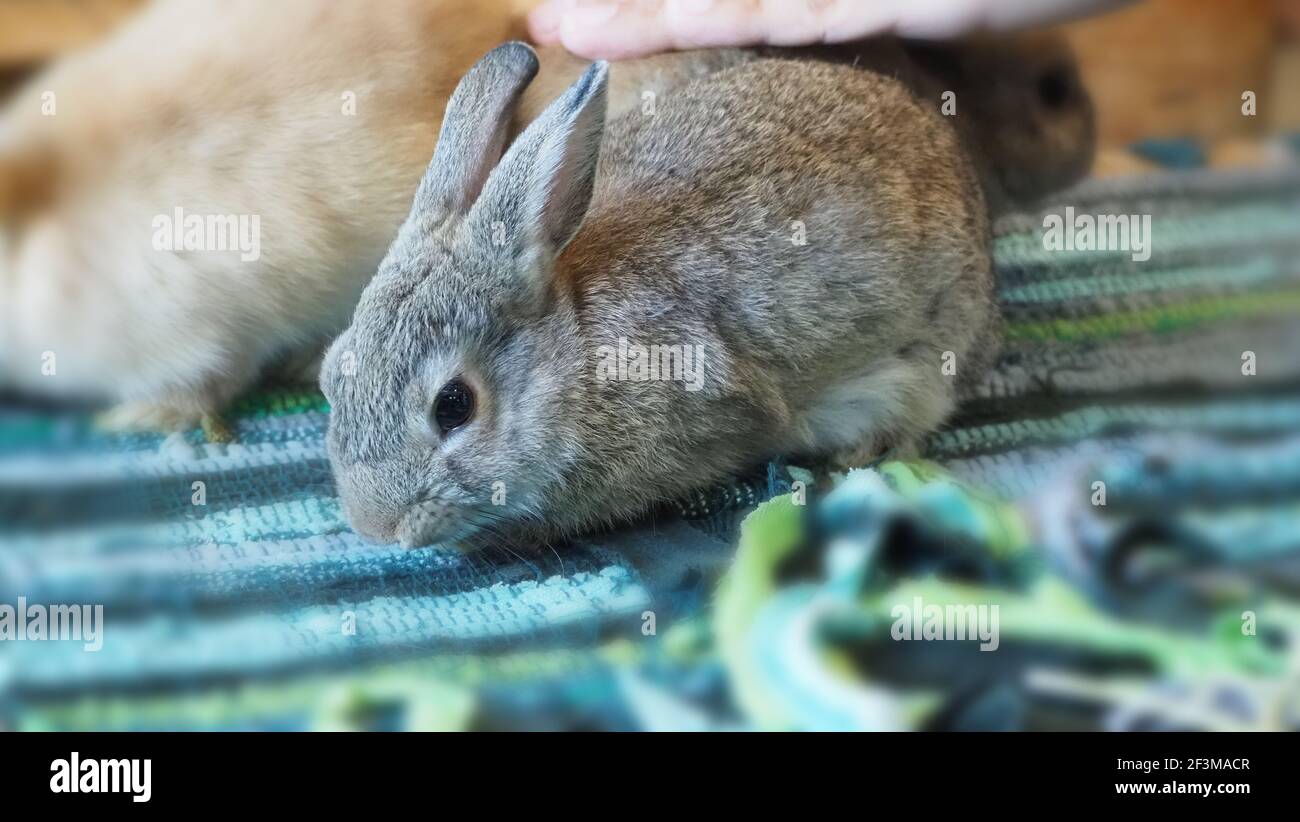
x=812 y=234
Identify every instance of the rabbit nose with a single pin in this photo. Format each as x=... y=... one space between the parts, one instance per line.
x=379 y=530
x=372 y=520
x=368 y=504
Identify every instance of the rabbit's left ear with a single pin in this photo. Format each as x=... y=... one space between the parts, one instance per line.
x=540 y=192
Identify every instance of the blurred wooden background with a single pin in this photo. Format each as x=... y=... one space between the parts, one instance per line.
x=1169 y=68
x=1162 y=68
x=35 y=31
x=32 y=31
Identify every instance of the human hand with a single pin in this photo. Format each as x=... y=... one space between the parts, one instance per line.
x=615 y=29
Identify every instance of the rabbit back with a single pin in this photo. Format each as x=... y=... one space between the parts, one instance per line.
x=817 y=230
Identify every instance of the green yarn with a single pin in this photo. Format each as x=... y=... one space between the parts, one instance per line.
x=1158 y=320
x=1250 y=274
x=279 y=402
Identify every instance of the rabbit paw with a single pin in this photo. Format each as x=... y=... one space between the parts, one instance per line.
x=132 y=417
x=859 y=456
x=142 y=417
x=874 y=450
x=184 y=407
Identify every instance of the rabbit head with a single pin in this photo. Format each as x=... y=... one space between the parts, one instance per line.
x=1021 y=105
x=448 y=390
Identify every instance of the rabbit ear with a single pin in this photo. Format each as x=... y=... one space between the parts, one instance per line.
x=474 y=132
x=541 y=190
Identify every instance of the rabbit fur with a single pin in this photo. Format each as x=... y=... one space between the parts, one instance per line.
x=518 y=279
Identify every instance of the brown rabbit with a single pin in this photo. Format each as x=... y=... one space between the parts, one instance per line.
x=807 y=242
x=1021 y=108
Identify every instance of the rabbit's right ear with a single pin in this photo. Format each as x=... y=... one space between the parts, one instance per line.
x=541 y=190
x=474 y=132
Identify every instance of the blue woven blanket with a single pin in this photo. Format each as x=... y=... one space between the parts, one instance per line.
x=235 y=595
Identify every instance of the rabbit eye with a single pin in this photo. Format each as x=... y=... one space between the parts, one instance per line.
x=1054 y=88
x=453 y=406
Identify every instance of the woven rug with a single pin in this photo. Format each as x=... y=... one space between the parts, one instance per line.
x=258 y=608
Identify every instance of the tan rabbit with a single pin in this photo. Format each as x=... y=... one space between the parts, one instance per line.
x=787 y=258
x=207 y=192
